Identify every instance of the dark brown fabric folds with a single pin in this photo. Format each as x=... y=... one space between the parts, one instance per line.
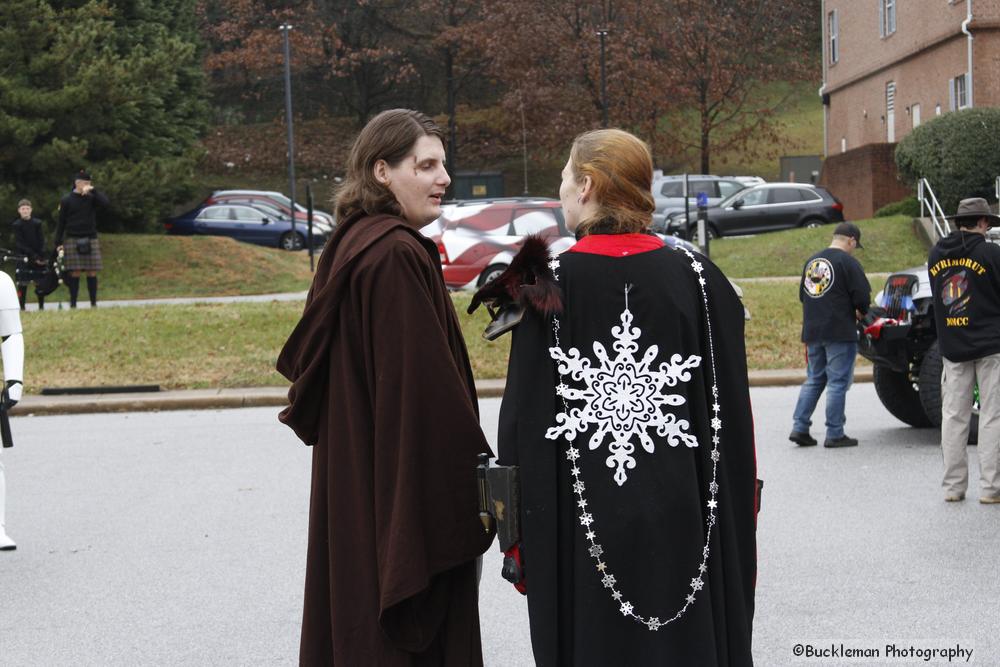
x=383 y=390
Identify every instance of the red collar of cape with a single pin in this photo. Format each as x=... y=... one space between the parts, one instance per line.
x=617 y=245
x=303 y=359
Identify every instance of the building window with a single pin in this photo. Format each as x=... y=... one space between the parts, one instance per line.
x=886 y=17
x=915 y=115
x=843 y=144
x=957 y=95
x=890 y=112
x=834 y=28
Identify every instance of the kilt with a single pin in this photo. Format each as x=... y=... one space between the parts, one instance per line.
x=74 y=261
x=28 y=273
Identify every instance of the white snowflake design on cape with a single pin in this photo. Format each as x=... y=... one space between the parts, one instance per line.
x=624 y=397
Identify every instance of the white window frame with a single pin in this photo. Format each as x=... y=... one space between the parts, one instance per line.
x=890 y=111
x=833 y=25
x=958 y=93
x=886 y=17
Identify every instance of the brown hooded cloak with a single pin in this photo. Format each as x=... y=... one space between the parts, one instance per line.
x=383 y=390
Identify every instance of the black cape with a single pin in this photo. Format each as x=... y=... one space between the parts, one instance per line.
x=383 y=390
x=652 y=527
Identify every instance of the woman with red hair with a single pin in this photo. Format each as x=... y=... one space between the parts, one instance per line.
x=627 y=410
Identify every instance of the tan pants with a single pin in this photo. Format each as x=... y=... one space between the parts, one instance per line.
x=957 y=382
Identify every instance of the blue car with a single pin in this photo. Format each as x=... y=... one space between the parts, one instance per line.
x=251 y=224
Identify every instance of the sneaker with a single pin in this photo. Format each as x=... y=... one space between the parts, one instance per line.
x=802 y=439
x=6 y=544
x=842 y=441
x=954 y=497
x=989 y=500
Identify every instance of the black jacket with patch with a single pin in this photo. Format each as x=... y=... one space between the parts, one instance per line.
x=832 y=287
x=965 y=284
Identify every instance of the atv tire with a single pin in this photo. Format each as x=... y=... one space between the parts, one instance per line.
x=900 y=397
x=930 y=392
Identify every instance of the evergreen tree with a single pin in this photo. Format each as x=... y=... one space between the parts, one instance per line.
x=115 y=86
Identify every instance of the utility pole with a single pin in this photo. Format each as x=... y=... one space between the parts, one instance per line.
x=524 y=141
x=602 y=33
x=285 y=28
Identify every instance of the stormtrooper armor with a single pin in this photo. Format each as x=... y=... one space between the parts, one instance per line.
x=12 y=351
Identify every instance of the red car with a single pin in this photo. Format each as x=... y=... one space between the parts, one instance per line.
x=478 y=238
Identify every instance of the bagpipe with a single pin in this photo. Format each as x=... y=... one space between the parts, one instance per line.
x=53 y=276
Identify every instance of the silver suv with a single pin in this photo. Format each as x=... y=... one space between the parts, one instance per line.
x=668 y=191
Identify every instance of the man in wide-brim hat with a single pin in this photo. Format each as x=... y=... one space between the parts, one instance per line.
x=964 y=270
x=974 y=209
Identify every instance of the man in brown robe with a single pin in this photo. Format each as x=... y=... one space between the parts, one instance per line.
x=383 y=390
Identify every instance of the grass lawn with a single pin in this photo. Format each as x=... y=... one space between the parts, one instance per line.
x=187 y=347
x=890 y=244
x=147 y=266
x=236 y=345
x=177 y=347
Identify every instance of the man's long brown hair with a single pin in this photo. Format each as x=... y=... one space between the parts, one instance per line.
x=389 y=136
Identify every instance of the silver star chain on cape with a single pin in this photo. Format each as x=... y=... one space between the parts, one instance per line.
x=575 y=422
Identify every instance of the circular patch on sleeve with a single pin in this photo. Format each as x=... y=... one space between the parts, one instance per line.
x=818 y=277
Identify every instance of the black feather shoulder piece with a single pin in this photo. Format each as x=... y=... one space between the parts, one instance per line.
x=528 y=282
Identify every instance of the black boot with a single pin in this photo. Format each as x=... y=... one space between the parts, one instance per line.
x=41 y=301
x=92 y=290
x=74 y=289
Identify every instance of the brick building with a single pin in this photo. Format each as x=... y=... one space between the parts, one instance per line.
x=889 y=65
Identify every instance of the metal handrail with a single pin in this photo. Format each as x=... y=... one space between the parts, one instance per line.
x=929 y=204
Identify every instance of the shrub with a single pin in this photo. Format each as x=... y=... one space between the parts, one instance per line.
x=909 y=206
x=958 y=153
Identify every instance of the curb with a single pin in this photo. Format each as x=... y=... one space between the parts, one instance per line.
x=256 y=397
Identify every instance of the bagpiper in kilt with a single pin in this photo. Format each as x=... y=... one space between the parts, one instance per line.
x=29 y=242
x=78 y=226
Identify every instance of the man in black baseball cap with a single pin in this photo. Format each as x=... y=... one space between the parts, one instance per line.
x=834 y=292
x=964 y=269
x=849 y=230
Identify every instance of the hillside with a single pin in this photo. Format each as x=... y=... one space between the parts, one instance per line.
x=148 y=266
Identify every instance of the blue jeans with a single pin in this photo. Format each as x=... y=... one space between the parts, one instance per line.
x=831 y=366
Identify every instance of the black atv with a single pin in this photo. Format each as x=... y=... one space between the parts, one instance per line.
x=899 y=337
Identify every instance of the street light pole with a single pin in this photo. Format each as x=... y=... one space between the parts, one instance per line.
x=524 y=141
x=285 y=28
x=602 y=33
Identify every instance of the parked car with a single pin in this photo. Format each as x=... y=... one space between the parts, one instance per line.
x=668 y=192
x=274 y=199
x=749 y=181
x=764 y=208
x=478 y=238
x=244 y=223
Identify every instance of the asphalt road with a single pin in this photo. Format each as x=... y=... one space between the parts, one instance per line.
x=178 y=539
